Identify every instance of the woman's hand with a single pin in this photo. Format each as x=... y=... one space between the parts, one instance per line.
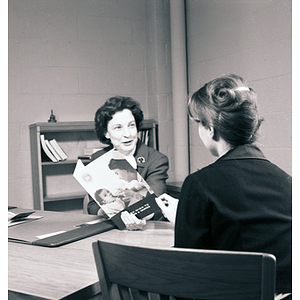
x=168 y=206
x=131 y=221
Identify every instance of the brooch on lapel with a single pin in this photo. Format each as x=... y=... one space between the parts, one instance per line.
x=141 y=159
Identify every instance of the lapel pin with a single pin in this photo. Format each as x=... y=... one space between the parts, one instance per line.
x=141 y=159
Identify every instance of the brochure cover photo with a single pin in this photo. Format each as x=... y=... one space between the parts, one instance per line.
x=116 y=186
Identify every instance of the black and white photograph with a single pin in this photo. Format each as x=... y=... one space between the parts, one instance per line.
x=192 y=104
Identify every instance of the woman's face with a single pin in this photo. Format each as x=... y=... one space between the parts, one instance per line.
x=122 y=131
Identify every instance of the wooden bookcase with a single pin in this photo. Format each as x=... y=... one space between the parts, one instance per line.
x=54 y=187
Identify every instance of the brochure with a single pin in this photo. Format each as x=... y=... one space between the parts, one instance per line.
x=116 y=186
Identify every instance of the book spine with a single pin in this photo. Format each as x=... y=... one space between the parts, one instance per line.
x=52 y=150
x=46 y=150
x=147 y=137
x=58 y=149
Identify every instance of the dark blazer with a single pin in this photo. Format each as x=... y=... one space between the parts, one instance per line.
x=152 y=166
x=241 y=202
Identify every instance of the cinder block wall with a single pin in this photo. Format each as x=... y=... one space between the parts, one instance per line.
x=70 y=56
x=158 y=73
x=252 y=39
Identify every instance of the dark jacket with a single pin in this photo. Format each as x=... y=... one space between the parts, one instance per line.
x=152 y=166
x=241 y=202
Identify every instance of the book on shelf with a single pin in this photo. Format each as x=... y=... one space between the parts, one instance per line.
x=144 y=137
x=53 y=151
x=48 y=154
x=146 y=141
x=88 y=152
x=58 y=149
x=116 y=186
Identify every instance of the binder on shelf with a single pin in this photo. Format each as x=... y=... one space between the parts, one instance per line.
x=58 y=149
x=49 y=155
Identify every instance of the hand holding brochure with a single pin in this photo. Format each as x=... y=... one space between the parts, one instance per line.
x=116 y=186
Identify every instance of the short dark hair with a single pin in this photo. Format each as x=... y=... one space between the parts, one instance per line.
x=106 y=112
x=228 y=105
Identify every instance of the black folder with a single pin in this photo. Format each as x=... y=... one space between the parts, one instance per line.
x=65 y=237
x=75 y=234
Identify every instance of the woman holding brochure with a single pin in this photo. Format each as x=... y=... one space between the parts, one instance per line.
x=117 y=123
x=242 y=201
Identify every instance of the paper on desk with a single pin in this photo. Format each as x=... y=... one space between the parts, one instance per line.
x=29 y=219
x=24 y=217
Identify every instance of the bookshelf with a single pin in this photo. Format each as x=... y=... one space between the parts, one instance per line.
x=54 y=187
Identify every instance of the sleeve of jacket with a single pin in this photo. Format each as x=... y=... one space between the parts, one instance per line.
x=192 y=227
x=92 y=206
x=157 y=172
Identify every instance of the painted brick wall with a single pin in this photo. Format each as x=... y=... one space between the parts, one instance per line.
x=70 y=56
x=252 y=39
x=159 y=85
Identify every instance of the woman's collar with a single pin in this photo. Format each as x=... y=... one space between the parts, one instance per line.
x=242 y=152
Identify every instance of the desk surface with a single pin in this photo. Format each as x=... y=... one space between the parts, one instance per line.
x=54 y=273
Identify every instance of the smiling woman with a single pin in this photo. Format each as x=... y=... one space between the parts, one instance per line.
x=117 y=123
x=122 y=132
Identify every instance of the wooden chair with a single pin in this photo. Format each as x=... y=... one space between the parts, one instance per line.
x=129 y=272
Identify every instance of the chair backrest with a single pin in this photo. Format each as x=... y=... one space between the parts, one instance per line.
x=138 y=273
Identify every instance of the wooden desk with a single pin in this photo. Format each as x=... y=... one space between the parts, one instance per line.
x=69 y=272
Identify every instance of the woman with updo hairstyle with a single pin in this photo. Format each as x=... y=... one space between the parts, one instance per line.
x=229 y=107
x=242 y=201
x=117 y=123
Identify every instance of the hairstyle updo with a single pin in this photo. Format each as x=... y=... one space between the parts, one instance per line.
x=228 y=105
x=106 y=112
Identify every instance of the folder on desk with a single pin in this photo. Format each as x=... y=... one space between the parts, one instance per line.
x=66 y=237
x=75 y=234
